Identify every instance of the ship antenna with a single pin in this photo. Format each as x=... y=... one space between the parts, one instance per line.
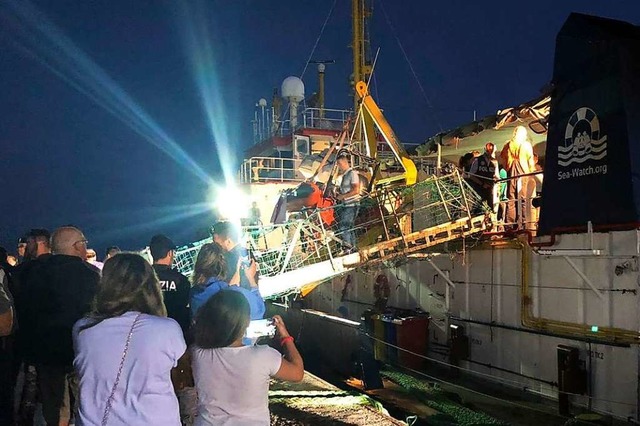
x=306 y=65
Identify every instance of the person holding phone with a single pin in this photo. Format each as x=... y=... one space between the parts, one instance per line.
x=209 y=274
x=232 y=380
x=239 y=258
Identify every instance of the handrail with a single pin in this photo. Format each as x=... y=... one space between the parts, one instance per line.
x=255 y=170
x=318 y=118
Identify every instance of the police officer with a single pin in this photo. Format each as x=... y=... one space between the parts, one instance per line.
x=175 y=286
x=484 y=172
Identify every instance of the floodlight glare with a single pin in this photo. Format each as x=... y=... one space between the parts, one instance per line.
x=230 y=202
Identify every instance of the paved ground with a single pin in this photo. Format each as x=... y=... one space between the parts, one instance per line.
x=316 y=402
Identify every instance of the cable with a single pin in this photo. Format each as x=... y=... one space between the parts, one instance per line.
x=550 y=287
x=413 y=71
x=446 y=364
x=494 y=378
x=361 y=106
x=306 y=65
x=515 y=404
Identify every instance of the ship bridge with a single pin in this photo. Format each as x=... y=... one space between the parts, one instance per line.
x=278 y=158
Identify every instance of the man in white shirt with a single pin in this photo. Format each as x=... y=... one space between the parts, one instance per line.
x=349 y=197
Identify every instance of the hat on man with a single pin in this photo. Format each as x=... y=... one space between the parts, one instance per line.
x=344 y=153
x=160 y=245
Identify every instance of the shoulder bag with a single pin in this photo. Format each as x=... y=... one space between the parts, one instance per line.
x=107 y=409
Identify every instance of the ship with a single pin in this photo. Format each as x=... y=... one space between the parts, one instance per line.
x=547 y=305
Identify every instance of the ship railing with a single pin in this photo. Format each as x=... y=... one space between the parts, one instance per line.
x=522 y=212
x=270 y=169
x=325 y=118
x=313 y=118
x=428 y=165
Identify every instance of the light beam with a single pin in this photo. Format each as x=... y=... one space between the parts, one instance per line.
x=46 y=43
x=197 y=41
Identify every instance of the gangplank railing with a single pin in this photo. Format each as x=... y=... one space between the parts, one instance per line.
x=391 y=223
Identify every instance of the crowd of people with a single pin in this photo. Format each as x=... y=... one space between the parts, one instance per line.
x=124 y=341
x=508 y=181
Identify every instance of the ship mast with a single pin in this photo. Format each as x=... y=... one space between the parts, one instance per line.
x=360 y=14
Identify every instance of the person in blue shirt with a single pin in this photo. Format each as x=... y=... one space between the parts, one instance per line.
x=209 y=275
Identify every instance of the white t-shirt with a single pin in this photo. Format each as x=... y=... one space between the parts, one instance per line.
x=350 y=178
x=233 y=384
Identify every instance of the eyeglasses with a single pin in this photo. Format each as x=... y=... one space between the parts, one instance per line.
x=85 y=242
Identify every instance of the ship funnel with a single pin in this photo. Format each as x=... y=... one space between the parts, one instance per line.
x=593 y=124
x=293 y=91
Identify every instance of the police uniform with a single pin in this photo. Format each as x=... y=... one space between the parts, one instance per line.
x=486 y=170
x=175 y=290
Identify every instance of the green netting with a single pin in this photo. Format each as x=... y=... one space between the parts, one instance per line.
x=435 y=397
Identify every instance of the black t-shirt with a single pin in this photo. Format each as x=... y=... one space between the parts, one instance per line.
x=175 y=289
x=23 y=280
x=59 y=295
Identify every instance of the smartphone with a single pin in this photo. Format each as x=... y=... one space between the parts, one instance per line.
x=245 y=258
x=261 y=328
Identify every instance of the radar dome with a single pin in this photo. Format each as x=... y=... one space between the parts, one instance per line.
x=262 y=102
x=293 y=89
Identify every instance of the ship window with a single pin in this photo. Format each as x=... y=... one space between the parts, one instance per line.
x=302 y=146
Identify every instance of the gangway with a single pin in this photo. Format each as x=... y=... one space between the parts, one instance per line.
x=393 y=223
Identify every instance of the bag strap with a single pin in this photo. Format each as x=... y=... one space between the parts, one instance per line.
x=107 y=409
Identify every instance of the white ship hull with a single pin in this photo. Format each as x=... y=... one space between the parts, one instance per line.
x=488 y=290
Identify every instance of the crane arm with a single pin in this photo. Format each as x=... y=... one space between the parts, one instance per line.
x=371 y=109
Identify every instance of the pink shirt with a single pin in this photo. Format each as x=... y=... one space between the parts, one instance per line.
x=145 y=395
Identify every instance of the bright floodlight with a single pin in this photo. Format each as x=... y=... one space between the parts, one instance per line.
x=230 y=202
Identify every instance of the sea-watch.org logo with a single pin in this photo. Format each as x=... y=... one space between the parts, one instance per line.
x=583 y=141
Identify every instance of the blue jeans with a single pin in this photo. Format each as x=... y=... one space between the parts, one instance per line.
x=346 y=223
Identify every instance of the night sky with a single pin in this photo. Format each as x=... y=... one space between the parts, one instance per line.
x=103 y=121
